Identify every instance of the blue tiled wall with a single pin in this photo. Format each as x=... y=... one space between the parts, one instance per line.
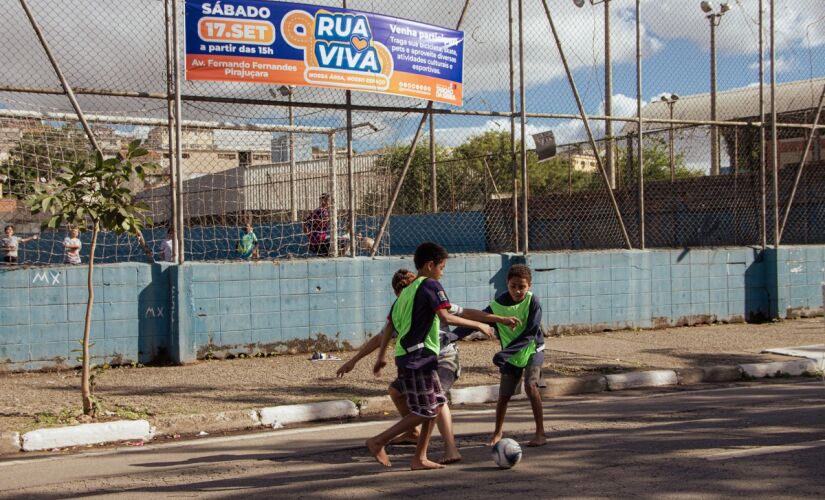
x=796 y=277
x=144 y=311
x=42 y=313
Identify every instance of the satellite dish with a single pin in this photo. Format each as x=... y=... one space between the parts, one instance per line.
x=579 y=3
x=545 y=145
x=707 y=7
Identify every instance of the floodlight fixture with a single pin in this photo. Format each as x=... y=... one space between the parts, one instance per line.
x=286 y=90
x=706 y=7
x=724 y=7
x=579 y=3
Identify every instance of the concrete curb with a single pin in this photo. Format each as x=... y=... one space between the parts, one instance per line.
x=86 y=434
x=207 y=422
x=635 y=380
x=277 y=416
x=566 y=386
x=375 y=406
x=779 y=369
x=9 y=443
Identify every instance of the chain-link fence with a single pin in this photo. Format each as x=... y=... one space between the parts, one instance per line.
x=280 y=159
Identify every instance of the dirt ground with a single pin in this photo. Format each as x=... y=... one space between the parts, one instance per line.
x=29 y=400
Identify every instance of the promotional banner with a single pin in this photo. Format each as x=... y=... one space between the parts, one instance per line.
x=280 y=43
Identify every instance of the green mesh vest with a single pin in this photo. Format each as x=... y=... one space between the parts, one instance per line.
x=402 y=312
x=506 y=334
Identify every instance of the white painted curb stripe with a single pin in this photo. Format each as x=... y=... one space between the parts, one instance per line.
x=632 y=380
x=792 y=368
x=291 y=414
x=106 y=432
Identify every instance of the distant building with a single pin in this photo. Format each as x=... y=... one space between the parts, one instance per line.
x=795 y=103
x=212 y=151
x=280 y=148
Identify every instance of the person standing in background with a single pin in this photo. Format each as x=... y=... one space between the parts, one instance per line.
x=72 y=245
x=10 y=243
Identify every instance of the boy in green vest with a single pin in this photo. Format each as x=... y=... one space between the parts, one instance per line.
x=522 y=349
x=449 y=368
x=416 y=316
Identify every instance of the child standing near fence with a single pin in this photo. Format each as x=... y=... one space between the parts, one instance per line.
x=72 y=245
x=10 y=243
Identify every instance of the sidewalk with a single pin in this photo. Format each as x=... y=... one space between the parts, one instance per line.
x=209 y=387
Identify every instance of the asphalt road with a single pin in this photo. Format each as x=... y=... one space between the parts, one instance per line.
x=752 y=440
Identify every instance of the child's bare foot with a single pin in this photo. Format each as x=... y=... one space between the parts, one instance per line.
x=495 y=439
x=425 y=465
x=450 y=458
x=379 y=453
x=406 y=438
x=538 y=440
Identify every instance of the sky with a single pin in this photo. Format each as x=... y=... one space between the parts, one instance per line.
x=119 y=45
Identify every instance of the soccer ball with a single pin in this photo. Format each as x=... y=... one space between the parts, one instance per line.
x=507 y=453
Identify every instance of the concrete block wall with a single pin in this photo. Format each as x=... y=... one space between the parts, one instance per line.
x=274 y=305
x=42 y=313
x=147 y=312
x=584 y=291
x=796 y=277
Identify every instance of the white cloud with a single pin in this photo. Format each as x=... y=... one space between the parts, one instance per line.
x=783 y=64
x=797 y=24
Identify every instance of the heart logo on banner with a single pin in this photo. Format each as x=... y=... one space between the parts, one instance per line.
x=359 y=43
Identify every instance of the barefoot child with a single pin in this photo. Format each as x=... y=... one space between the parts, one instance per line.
x=449 y=369
x=522 y=350
x=416 y=316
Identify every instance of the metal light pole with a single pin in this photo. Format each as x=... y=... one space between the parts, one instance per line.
x=715 y=18
x=610 y=160
x=671 y=101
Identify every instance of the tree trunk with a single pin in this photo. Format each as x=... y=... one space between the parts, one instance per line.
x=85 y=384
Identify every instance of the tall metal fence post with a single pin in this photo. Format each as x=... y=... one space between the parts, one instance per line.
x=525 y=180
x=610 y=157
x=587 y=128
x=350 y=174
x=170 y=115
x=514 y=166
x=433 y=167
x=774 y=135
x=641 y=125
x=293 y=187
x=333 y=200
x=763 y=198
x=178 y=131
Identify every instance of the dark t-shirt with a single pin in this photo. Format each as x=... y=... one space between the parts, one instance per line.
x=429 y=298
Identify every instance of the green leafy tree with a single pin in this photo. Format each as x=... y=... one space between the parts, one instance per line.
x=416 y=193
x=657 y=163
x=94 y=193
x=41 y=153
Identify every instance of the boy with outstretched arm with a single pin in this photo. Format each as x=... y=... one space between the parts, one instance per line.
x=416 y=316
x=522 y=350
x=449 y=369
